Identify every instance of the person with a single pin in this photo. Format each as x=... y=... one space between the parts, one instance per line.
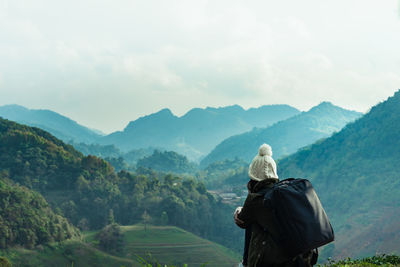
x=261 y=248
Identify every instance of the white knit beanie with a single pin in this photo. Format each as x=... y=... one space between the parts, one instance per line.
x=263 y=165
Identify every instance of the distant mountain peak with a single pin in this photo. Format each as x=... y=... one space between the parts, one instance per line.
x=14 y=107
x=325 y=107
x=325 y=104
x=53 y=122
x=198 y=131
x=234 y=107
x=164 y=115
x=286 y=135
x=164 y=111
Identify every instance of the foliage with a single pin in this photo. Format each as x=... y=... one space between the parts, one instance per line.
x=4 y=262
x=36 y=159
x=68 y=253
x=110 y=238
x=225 y=175
x=102 y=151
x=85 y=188
x=168 y=245
x=378 y=260
x=27 y=220
x=167 y=161
x=118 y=159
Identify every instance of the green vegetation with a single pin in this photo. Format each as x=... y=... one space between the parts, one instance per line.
x=378 y=260
x=171 y=245
x=226 y=176
x=102 y=151
x=36 y=159
x=167 y=161
x=285 y=136
x=110 y=238
x=4 y=262
x=68 y=253
x=27 y=220
x=86 y=189
x=118 y=159
x=158 y=244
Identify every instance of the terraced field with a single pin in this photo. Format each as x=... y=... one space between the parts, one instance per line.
x=172 y=245
x=157 y=244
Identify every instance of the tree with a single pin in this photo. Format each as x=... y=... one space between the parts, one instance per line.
x=146 y=218
x=111 y=217
x=110 y=238
x=164 y=218
x=4 y=262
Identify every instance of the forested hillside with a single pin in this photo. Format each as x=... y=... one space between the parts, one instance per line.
x=285 y=136
x=357 y=175
x=87 y=191
x=118 y=159
x=226 y=175
x=58 y=125
x=111 y=151
x=198 y=131
x=167 y=161
x=27 y=220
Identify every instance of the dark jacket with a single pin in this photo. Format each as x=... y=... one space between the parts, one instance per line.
x=263 y=250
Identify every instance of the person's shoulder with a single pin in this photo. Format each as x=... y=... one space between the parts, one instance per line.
x=254 y=198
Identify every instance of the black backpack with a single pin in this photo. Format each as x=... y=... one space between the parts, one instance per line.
x=300 y=219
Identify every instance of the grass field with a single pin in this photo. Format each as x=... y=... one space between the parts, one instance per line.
x=70 y=253
x=162 y=244
x=172 y=245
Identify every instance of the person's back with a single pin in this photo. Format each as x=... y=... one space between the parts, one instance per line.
x=263 y=250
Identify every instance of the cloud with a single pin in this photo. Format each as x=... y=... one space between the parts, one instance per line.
x=105 y=63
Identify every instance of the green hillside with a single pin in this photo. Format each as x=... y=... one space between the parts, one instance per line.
x=87 y=190
x=373 y=261
x=225 y=174
x=167 y=161
x=172 y=245
x=27 y=220
x=162 y=244
x=357 y=175
x=286 y=136
x=120 y=160
x=69 y=253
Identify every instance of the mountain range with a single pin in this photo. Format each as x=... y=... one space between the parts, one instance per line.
x=193 y=134
x=356 y=173
x=198 y=131
x=285 y=136
x=57 y=124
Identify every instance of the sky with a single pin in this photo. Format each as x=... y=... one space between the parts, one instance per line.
x=104 y=63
